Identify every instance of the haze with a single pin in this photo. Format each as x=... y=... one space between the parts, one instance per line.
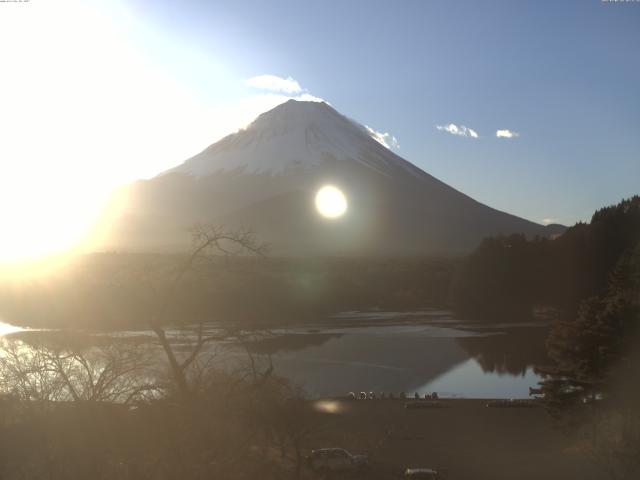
x=532 y=110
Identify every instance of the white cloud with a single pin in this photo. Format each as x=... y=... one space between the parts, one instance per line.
x=307 y=97
x=385 y=139
x=548 y=221
x=281 y=88
x=461 y=130
x=240 y=113
x=236 y=115
x=274 y=83
x=506 y=134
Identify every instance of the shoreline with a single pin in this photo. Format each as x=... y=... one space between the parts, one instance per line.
x=466 y=440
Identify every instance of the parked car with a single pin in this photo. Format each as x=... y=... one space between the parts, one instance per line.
x=421 y=474
x=336 y=460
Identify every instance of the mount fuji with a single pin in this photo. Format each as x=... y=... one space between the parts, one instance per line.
x=265 y=177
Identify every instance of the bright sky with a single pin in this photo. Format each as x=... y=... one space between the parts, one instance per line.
x=530 y=107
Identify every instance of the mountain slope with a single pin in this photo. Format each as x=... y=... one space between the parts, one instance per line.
x=266 y=177
x=294 y=135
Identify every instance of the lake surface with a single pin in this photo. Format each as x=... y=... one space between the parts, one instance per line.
x=422 y=352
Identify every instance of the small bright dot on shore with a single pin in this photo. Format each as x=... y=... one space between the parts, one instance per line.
x=331 y=202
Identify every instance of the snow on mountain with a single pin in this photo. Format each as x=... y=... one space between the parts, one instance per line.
x=293 y=135
x=266 y=176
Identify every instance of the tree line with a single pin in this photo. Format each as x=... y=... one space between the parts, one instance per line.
x=508 y=276
x=590 y=275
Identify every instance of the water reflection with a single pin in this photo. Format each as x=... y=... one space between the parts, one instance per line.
x=368 y=361
x=470 y=380
x=513 y=352
x=454 y=359
x=289 y=342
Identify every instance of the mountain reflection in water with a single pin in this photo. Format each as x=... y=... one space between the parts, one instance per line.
x=513 y=352
x=385 y=355
x=489 y=362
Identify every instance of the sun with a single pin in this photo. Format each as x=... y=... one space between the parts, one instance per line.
x=331 y=202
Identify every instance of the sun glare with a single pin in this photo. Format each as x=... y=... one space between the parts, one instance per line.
x=331 y=202
x=80 y=116
x=86 y=106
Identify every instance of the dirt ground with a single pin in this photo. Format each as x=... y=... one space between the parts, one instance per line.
x=464 y=439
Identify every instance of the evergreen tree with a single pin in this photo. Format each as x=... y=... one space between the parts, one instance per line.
x=589 y=351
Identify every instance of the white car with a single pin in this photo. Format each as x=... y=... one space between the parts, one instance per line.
x=336 y=460
x=421 y=474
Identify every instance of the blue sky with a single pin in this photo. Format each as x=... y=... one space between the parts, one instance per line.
x=564 y=75
x=116 y=90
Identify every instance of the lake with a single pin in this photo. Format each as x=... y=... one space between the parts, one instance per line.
x=424 y=352
x=420 y=352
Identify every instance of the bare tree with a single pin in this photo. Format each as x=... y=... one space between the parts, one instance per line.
x=287 y=419
x=208 y=241
x=113 y=371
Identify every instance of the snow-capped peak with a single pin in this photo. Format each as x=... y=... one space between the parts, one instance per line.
x=295 y=134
